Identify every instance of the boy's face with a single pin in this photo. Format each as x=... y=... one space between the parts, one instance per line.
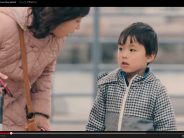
x=132 y=57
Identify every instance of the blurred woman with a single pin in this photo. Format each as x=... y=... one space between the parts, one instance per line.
x=45 y=31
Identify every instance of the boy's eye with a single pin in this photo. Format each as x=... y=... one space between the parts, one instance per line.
x=120 y=49
x=132 y=50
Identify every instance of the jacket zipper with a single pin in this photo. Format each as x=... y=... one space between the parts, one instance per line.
x=123 y=105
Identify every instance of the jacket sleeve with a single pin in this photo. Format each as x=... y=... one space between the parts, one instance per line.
x=164 y=117
x=96 y=121
x=41 y=91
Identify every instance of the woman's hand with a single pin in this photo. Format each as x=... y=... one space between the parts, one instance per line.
x=3 y=77
x=42 y=122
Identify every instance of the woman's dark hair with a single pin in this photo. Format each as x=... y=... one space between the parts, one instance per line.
x=143 y=34
x=46 y=19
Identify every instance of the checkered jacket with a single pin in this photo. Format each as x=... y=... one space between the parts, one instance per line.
x=147 y=106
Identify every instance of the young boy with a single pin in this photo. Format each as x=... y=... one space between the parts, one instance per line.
x=132 y=98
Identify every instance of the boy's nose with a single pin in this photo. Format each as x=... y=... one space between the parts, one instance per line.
x=124 y=54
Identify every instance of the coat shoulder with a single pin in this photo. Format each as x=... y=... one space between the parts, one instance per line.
x=108 y=77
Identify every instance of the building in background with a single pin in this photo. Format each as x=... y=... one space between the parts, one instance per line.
x=166 y=21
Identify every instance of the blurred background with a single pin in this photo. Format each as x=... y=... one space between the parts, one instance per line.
x=92 y=50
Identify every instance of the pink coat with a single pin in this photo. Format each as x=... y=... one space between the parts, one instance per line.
x=41 y=60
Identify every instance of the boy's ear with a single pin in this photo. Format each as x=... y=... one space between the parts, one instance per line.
x=150 y=57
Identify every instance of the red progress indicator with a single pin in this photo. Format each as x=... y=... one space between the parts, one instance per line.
x=4 y=133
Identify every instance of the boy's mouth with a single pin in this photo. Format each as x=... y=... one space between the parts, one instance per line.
x=125 y=63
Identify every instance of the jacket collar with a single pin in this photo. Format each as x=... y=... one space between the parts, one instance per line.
x=115 y=76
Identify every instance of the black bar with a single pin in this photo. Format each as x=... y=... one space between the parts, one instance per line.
x=1 y=108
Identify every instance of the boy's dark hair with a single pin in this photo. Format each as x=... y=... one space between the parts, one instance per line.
x=143 y=33
x=46 y=19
